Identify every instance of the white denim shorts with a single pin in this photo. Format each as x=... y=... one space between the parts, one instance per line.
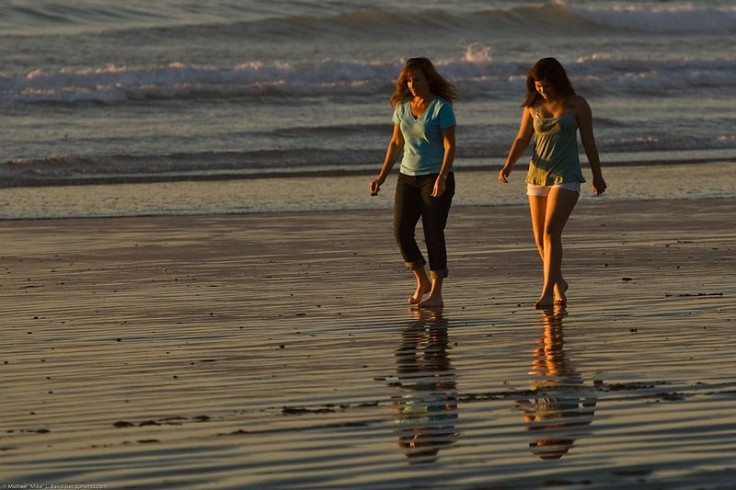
x=543 y=190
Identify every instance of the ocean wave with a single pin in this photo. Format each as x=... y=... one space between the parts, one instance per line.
x=550 y=18
x=374 y=22
x=662 y=19
x=113 y=84
x=655 y=142
x=360 y=18
x=39 y=17
x=474 y=73
x=104 y=168
x=62 y=169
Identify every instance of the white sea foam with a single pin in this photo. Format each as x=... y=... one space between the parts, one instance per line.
x=474 y=71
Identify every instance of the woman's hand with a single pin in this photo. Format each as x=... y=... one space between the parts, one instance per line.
x=504 y=174
x=376 y=185
x=599 y=185
x=440 y=186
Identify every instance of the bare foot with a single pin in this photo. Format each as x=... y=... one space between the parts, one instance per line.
x=434 y=301
x=560 y=289
x=423 y=287
x=544 y=303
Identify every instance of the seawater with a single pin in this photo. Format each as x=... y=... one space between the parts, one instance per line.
x=97 y=91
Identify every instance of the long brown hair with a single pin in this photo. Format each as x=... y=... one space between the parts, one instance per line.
x=550 y=70
x=437 y=85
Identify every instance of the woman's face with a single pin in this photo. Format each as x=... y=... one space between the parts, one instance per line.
x=545 y=89
x=417 y=83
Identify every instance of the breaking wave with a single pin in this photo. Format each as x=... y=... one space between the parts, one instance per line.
x=267 y=20
x=475 y=74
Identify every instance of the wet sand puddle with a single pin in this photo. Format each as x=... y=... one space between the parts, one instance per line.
x=158 y=354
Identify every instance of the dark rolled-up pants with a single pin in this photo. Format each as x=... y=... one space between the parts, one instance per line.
x=414 y=200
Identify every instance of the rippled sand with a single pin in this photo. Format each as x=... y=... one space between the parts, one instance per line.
x=276 y=351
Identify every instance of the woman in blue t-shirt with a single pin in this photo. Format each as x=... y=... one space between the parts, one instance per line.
x=424 y=126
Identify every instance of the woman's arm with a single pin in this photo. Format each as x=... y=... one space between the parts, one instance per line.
x=392 y=154
x=518 y=147
x=448 y=141
x=585 y=125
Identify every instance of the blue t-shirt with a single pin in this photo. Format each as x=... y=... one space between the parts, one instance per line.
x=424 y=148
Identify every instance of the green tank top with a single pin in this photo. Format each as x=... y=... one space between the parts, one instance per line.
x=555 y=158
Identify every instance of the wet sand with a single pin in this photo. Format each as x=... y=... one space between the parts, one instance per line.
x=639 y=182
x=276 y=351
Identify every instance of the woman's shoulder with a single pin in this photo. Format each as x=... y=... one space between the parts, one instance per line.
x=442 y=105
x=578 y=106
x=402 y=106
x=577 y=102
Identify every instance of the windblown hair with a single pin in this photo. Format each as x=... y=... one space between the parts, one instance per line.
x=437 y=85
x=550 y=70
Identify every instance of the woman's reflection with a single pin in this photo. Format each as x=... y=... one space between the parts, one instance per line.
x=562 y=406
x=427 y=402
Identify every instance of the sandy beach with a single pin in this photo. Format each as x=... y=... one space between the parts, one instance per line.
x=275 y=350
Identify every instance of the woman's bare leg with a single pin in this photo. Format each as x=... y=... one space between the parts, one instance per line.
x=538 y=208
x=423 y=286
x=560 y=203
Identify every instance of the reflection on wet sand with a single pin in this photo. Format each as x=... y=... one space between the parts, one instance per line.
x=562 y=407
x=427 y=400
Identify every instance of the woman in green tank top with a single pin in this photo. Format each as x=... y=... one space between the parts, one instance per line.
x=553 y=114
